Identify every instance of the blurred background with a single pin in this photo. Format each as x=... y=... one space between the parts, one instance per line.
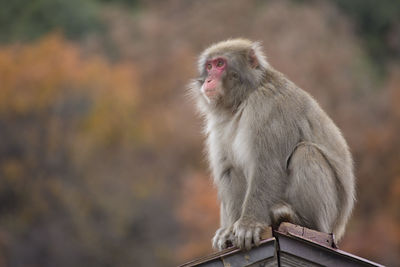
x=101 y=153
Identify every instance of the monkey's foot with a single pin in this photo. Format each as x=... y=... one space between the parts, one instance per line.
x=223 y=239
x=247 y=232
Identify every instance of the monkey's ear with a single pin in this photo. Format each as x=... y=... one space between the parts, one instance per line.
x=253 y=59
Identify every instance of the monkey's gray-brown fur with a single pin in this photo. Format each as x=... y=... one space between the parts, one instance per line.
x=274 y=153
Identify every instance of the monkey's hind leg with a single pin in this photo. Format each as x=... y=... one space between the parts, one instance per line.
x=282 y=212
x=312 y=191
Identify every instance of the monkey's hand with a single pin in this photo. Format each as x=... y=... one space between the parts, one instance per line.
x=223 y=238
x=247 y=231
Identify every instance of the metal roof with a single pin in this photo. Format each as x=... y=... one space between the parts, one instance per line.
x=290 y=245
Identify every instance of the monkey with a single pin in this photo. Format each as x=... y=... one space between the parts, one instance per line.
x=274 y=154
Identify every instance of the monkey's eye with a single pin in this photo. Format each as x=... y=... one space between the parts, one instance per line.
x=209 y=66
x=220 y=63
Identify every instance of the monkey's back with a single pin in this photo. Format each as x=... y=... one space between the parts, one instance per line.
x=300 y=114
x=292 y=116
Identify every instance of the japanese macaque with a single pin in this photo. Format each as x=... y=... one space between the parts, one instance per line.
x=274 y=153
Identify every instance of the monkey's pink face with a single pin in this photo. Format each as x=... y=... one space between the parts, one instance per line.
x=212 y=86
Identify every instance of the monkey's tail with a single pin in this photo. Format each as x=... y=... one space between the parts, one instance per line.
x=347 y=198
x=346 y=191
x=282 y=212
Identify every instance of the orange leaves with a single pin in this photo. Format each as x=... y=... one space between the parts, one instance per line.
x=199 y=207
x=33 y=76
x=53 y=78
x=394 y=90
x=199 y=213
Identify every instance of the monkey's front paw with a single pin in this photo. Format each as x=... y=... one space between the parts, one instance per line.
x=247 y=232
x=223 y=238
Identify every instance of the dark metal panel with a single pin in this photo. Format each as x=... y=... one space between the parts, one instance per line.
x=213 y=263
x=262 y=255
x=265 y=251
x=318 y=254
x=273 y=262
x=288 y=260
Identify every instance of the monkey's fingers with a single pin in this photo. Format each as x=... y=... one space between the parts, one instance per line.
x=248 y=238
x=223 y=239
x=256 y=236
x=246 y=235
x=215 y=240
x=240 y=238
x=229 y=239
x=223 y=243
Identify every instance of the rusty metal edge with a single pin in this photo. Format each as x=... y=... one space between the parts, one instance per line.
x=321 y=238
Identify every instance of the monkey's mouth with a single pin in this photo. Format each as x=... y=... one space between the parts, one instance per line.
x=210 y=93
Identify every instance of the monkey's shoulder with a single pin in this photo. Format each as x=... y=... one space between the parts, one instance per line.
x=269 y=102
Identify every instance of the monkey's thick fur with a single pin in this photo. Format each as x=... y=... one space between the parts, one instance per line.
x=274 y=153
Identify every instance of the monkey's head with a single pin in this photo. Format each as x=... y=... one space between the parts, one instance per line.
x=229 y=71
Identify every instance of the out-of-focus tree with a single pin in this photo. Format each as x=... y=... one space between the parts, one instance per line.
x=26 y=20
x=66 y=122
x=377 y=228
x=199 y=214
x=378 y=22
x=125 y=3
x=101 y=163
